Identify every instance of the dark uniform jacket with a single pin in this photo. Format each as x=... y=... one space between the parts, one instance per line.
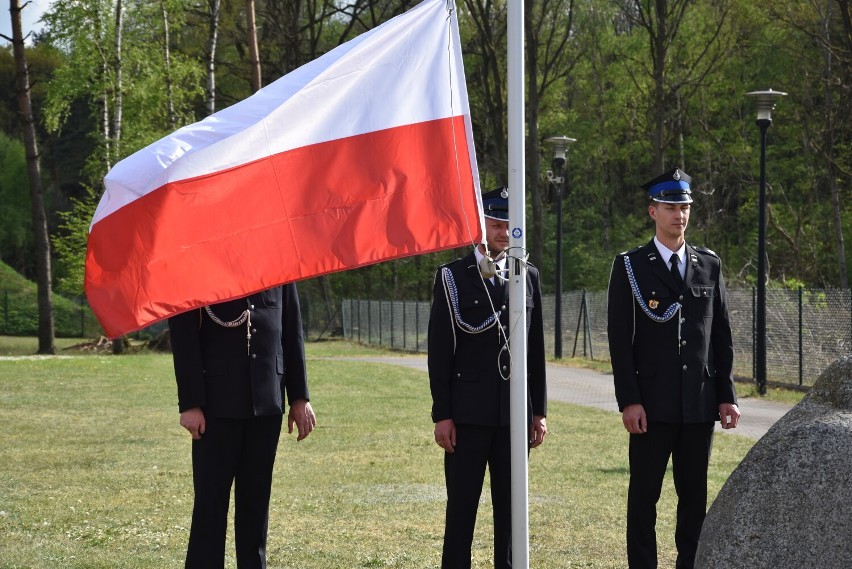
x=678 y=376
x=216 y=369
x=464 y=368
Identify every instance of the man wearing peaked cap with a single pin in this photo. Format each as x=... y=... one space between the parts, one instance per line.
x=670 y=187
x=468 y=377
x=495 y=204
x=672 y=355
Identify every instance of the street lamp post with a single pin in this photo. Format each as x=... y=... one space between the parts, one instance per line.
x=765 y=104
x=560 y=148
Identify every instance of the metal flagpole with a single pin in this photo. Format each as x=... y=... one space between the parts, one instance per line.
x=518 y=420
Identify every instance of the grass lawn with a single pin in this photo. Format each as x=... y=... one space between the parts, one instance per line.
x=95 y=472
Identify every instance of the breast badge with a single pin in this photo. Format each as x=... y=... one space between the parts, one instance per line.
x=653 y=304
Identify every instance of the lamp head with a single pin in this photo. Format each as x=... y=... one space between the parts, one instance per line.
x=560 y=146
x=765 y=102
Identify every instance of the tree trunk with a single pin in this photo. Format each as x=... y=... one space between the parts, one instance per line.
x=46 y=343
x=659 y=113
x=251 y=24
x=106 y=126
x=167 y=58
x=828 y=144
x=211 y=56
x=117 y=94
x=118 y=344
x=533 y=151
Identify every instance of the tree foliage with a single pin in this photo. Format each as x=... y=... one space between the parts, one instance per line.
x=641 y=85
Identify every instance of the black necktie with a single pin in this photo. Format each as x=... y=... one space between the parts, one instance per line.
x=675 y=270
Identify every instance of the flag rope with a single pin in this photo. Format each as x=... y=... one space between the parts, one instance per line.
x=450 y=13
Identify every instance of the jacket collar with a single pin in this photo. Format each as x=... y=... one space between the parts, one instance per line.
x=661 y=268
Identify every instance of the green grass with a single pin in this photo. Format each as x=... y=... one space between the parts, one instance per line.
x=95 y=473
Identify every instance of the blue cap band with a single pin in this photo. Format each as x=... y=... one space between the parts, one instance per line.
x=668 y=185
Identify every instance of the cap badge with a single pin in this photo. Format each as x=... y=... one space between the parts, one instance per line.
x=505 y=193
x=676 y=175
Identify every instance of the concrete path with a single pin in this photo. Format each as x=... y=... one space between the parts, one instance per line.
x=595 y=389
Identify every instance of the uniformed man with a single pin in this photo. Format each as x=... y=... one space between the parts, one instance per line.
x=469 y=378
x=672 y=357
x=233 y=363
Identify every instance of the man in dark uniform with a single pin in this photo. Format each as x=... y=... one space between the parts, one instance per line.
x=468 y=375
x=672 y=357
x=233 y=362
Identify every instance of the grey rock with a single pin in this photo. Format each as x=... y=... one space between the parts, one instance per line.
x=789 y=502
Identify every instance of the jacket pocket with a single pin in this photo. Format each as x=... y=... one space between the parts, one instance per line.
x=646 y=371
x=703 y=298
x=468 y=375
x=271 y=298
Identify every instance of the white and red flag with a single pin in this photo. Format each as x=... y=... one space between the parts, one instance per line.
x=363 y=155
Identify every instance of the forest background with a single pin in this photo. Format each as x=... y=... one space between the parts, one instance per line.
x=643 y=85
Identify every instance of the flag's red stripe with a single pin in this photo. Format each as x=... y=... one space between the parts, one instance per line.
x=306 y=212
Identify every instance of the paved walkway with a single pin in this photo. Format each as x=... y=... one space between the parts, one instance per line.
x=595 y=389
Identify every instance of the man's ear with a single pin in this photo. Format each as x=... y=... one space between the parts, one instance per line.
x=652 y=211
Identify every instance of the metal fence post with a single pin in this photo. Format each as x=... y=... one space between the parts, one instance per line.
x=801 y=314
x=369 y=321
x=577 y=332
x=753 y=332
x=588 y=329
x=417 y=327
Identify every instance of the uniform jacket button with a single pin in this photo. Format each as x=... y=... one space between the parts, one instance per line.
x=684 y=367
x=254 y=357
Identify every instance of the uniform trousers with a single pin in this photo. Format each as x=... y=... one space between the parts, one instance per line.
x=464 y=469
x=238 y=452
x=689 y=447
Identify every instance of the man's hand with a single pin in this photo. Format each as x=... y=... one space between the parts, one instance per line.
x=729 y=415
x=538 y=430
x=634 y=419
x=303 y=416
x=445 y=435
x=193 y=421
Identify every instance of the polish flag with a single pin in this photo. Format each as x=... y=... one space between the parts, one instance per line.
x=363 y=155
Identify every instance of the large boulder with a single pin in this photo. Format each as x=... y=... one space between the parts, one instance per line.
x=789 y=502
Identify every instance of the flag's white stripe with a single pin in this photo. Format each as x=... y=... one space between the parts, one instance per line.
x=393 y=75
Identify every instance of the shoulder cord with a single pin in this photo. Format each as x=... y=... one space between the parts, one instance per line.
x=452 y=295
x=675 y=308
x=244 y=318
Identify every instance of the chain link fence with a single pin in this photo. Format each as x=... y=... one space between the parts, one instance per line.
x=806 y=329
x=71 y=316
x=74 y=319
